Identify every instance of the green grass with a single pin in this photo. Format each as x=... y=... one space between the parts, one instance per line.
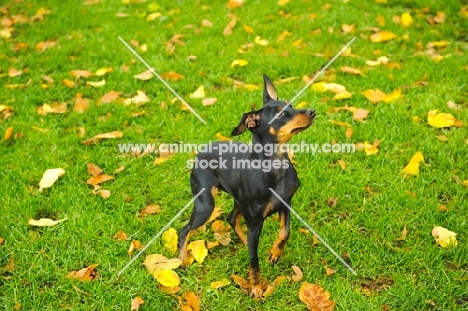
x=363 y=225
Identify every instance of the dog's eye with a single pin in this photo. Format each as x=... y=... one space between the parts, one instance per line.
x=279 y=114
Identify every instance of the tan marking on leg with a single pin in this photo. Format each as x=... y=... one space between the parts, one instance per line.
x=277 y=248
x=256 y=289
x=267 y=209
x=214 y=191
x=183 y=250
x=272 y=131
x=237 y=229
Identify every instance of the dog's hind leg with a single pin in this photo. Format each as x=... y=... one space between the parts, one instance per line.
x=203 y=207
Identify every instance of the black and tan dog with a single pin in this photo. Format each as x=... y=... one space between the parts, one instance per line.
x=247 y=177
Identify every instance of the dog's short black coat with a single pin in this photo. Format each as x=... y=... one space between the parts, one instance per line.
x=250 y=186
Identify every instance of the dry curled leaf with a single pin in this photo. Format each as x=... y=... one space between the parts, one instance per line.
x=315 y=297
x=144 y=76
x=96 y=180
x=298 y=274
x=243 y=283
x=149 y=210
x=121 y=236
x=85 y=274
x=192 y=300
x=44 y=222
x=134 y=244
x=93 y=169
x=136 y=303
x=50 y=177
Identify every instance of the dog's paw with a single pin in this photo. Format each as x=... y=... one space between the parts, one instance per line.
x=256 y=291
x=274 y=255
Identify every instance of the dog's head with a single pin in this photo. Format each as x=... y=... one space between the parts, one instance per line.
x=286 y=122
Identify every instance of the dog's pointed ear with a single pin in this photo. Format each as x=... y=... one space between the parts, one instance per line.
x=249 y=120
x=269 y=91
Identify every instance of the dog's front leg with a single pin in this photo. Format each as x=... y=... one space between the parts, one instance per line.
x=283 y=235
x=253 y=236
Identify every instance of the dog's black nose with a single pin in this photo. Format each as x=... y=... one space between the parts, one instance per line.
x=310 y=112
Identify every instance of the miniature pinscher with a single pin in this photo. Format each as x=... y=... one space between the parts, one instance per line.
x=247 y=177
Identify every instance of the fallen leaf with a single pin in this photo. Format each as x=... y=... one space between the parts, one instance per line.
x=382 y=36
x=403 y=234
x=171 y=75
x=413 y=166
x=392 y=96
x=232 y=23
x=206 y=23
x=97 y=83
x=155 y=262
x=134 y=244
x=81 y=104
x=192 y=300
x=149 y=210
x=283 y=35
x=348 y=28
x=103 y=71
x=144 y=76
x=346 y=124
x=170 y=240
x=444 y=237
x=85 y=274
x=283 y=2
x=406 y=20
x=54 y=107
x=440 y=120
x=315 y=297
x=209 y=101
x=167 y=277
x=452 y=105
x=44 y=222
x=219 y=284
x=268 y=291
x=239 y=62
x=220 y=137
x=121 y=236
x=199 y=93
x=139 y=99
x=370 y=149
x=93 y=169
x=198 y=250
x=298 y=274
x=42 y=46
x=1 y=241
x=343 y=95
x=136 y=303
x=332 y=202
x=81 y=73
x=342 y=164
x=8 y=133
x=351 y=70
x=243 y=283
x=258 y=40
x=374 y=96
x=49 y=177
x=349 y=133
x=109 y=97
x=440 y=18
x=248 y=29
x=329 y=271
x=96 y=180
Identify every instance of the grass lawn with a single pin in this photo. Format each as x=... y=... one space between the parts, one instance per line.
x=375 y=202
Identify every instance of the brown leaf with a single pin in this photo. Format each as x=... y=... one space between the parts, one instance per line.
x=85 y=274
x=121 y=236
x=42 y=46
x=134 y=244
x=243 y=283
x=298 y=274
x=93 y=169
x=351 y=70
x=96 y=180
x=193 y=300
x=149 y=210
x=68 y=83
x=144 y=76
x=171 y=75
x=332 y=202
x=54 y=107
x=403 y=234
x=109 y=97
x=349 y=133
x=232 y=23
x=329 y=271
x=12 y=72
x=136 y=303
x=440 y=18
x=81 y=73
x=81 y=104
x=315 y=297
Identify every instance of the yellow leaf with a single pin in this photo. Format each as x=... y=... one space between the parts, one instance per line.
x=248 y=29
x=222 y=138
x=351 y=70
x=319 y=87
x=370 y=149
x=209 y=101
x=374 y=96
x=239 y=62
x=103 y=71
x=199 y=250
x=169 y=238
x=283 y=35
x=136 y=303
x=262 y=42
x=438 y=120
x=145 y=75
x=392 y=96
x=153 y=16
x=444 y=237
x=167 y=278
x=348 y=28
x=44 y=222
x=382 y=36
x=342 y=95
x=302 y=104
x=335 y=88
x=50 y=177
x=283 y=2
x=406 y=20
x=114 y=134
x=315 y=297
x=8 y=133
x=96 y=84
x=413 y=166
x=155 y=262
x=139 y=99
x=219 y=284
x=440 y=44
x=199 y=93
